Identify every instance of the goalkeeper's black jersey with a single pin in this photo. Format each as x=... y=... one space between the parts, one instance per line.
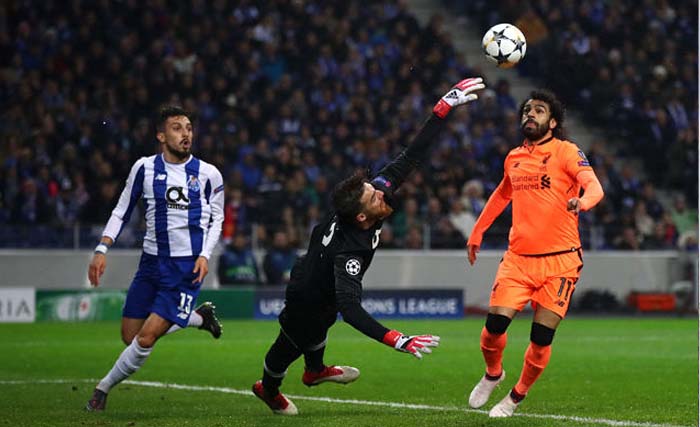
x=330 y=273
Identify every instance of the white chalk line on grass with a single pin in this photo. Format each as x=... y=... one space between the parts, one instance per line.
x=398 y=405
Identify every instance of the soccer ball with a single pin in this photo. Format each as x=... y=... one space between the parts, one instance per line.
x=504 y=44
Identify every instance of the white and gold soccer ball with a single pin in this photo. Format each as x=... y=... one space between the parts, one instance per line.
x=504 y=45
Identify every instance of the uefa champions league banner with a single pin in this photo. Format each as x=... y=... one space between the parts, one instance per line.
x=20 y=305
x=415 y=304
x=394 y=304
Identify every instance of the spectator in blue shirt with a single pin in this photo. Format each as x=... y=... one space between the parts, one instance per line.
x=279 y=260
x=237 y=264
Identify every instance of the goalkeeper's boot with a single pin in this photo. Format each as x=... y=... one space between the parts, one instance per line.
x=98 y=402
x=279 y=404
x=483 y=389
x=209 y=320
x=335 y=374
x=507 y=406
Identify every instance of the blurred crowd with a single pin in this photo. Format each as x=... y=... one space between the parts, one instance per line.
x=292 y=96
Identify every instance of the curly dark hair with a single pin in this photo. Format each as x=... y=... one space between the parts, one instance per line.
x=346 y=196
x=556 y=108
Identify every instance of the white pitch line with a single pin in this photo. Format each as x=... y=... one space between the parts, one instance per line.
x=400 y=405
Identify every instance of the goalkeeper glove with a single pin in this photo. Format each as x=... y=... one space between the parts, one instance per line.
x=414 y=344
x=461 y=93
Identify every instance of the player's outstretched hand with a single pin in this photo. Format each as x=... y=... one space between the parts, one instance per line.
x=472 y=250
x=97 y=268
x=461 y=93
x=414 y=344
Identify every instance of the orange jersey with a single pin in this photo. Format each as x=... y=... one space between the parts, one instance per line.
x=539 y=181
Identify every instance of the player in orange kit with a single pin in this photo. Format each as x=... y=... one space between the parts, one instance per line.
x=543 y=178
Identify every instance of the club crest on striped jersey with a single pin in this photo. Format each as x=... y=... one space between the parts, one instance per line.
x=193 y=183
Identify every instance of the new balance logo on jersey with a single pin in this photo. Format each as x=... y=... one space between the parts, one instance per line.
x=161 y=177
x=545 y=182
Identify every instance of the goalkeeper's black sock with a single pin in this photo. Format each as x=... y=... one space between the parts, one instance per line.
x=314 y=360
x=282 y=353
x=271 y=384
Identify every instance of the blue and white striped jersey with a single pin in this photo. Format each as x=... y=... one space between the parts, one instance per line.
x=184 y=205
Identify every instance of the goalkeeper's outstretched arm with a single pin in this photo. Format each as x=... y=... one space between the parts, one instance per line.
x=390 y=178
x=348 y=300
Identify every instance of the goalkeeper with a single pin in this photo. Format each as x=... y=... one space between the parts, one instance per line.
x=328 y=278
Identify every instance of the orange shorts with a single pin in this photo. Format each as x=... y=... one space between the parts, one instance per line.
x=548 y=281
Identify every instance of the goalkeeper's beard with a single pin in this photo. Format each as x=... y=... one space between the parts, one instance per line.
x=385 y=212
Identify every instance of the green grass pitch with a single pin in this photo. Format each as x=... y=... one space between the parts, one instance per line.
x=603 y=372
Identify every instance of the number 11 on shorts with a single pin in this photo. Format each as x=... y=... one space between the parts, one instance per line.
x=564 y=282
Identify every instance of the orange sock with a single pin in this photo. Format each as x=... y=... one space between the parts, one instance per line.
x=536 y=359
x=492 y=346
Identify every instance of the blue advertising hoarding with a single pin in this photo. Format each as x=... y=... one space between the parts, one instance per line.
x=395 y=304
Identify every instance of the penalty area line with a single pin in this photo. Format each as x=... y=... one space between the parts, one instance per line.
x=384 y=404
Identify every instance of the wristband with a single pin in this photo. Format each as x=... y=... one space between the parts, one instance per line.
x=442 y=109
x=101 y=248
x=391 y=337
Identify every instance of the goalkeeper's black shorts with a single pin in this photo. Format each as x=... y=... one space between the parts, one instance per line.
x=307 y=327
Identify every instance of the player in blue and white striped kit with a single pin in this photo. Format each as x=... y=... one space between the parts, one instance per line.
x=184 y=209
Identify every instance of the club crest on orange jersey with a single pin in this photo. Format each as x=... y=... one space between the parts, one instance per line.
x=545 y=182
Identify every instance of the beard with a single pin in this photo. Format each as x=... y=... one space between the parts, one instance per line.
x=385 y=212
x=380 y=214
x=535 y=133
x=177 y=152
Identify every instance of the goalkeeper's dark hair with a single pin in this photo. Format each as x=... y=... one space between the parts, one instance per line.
x=346 y=196
x=556 y=108
x=167 y=111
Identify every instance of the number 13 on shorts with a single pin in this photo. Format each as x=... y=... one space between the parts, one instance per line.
x=185 y=304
